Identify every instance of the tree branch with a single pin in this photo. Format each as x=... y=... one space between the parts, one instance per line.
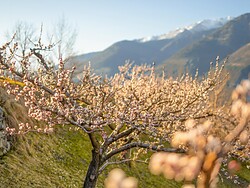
x=40 y=57
x=112 y=139
x=94 y=141
x=139 y=145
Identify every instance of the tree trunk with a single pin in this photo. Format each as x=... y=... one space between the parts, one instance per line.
x=92 y=173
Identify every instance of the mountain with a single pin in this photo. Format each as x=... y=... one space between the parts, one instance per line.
x=147 y=50
x=183 y=50
x=196 y=27
x=239 y=65
x=223 y=42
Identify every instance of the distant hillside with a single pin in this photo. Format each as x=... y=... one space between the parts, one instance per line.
x=107 y=61
x=147 y=50
x=183 y=50
x=239 y=65
x=223 y=42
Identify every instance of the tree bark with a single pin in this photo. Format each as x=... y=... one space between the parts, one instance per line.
x=92 y=173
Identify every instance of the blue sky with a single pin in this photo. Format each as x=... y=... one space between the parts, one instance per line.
x=100 y=23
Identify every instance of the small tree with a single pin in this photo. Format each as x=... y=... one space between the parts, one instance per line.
x=65 y=36
x=133 y=109
x=62 y=33
x=25 y=34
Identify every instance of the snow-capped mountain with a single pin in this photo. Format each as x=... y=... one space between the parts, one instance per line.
x=196 y=27
x=186 y=49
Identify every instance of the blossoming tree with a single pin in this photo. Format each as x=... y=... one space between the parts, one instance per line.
x=116 y=113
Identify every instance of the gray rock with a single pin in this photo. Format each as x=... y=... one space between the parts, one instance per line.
x=4 y=143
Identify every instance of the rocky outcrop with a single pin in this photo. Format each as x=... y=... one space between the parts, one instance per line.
x=11 y=114
x=4 y=142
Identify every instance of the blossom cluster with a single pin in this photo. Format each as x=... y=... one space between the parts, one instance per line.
x=117 y=179
x=205 y=153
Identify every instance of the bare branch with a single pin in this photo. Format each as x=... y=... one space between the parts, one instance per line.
x=139 y=145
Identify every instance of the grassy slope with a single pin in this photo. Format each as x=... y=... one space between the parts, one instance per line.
x=60 y=160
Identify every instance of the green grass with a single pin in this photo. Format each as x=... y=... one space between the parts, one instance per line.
x=244 y=173
x=61 y=159
x=46 y=161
